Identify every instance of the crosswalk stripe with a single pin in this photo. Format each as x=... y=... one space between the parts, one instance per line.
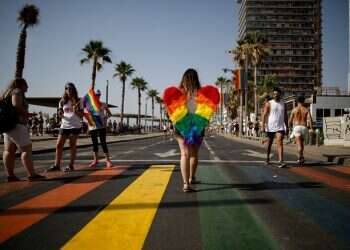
x=18 y=218
x=330 y=180
x=125 y=222
x=343 y=170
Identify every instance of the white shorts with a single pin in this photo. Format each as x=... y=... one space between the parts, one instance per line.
x=299 y=130
x=19 y=136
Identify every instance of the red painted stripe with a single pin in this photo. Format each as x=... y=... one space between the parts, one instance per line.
x=333 y=181
x=6 y=188
x=341 y=169
x=17 y=218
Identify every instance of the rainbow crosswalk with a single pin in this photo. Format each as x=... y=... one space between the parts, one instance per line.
x=142 y=206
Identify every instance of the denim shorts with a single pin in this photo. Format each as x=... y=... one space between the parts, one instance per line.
x=69 y=131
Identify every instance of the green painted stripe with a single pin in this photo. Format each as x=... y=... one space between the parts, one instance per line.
x=226 y=221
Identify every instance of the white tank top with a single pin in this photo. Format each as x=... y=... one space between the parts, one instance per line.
x=275 y=120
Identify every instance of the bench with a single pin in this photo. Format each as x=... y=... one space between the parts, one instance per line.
x=341 y=158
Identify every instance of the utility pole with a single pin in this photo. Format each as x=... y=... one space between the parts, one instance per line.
x=107 y=92
x=246 y=89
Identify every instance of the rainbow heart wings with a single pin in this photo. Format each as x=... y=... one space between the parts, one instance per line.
x=191 y=125
x=93 y=106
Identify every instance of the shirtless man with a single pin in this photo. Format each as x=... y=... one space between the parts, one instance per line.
x=300 y=119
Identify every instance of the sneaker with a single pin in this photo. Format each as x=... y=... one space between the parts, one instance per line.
x=301 y=161
x=109 y=164
x=12 y=178
x=68 y=169
x=282 y=164
x=53 y=168
x=36 y=177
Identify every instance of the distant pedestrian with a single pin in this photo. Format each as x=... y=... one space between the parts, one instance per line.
x=18 y=137
x=71 y=112
x=300 y=119
x=97 y=116
x=190 y=120
x=275 y=123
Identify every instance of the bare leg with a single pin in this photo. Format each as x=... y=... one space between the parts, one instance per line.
x=27 y=160
x=9 y=156
x=279 y=140
x=269 y=145
x=193 y=161
x=59 y=149
x=73 y=150
x=300 y=145
x=185 y=161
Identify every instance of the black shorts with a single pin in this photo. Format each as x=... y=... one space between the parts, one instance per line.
x=272 y=134
x=69 y=131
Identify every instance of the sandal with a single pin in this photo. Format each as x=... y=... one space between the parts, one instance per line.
x=187 y=188
x=93 y=164
x=109 y=164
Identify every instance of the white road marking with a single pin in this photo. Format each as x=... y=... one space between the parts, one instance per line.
x=211 y=151
x=169 y=153
x=255 y=154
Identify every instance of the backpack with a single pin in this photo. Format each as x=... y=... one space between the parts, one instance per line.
x=8 y=115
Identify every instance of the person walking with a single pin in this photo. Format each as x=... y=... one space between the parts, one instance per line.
x=275 y=123
x=97 y=114
x=70 y=111
x=190 y=108
x=300 y=119
x=18 y=137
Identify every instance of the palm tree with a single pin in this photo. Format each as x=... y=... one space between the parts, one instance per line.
x=258 y=52
x=98 y=54
x=141 y=85
x=28 y=17
x=152 y=93
x=123 y=71
x=222 y=82
x=159 y=100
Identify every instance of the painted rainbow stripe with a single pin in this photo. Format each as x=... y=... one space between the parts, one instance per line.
x=191 y=126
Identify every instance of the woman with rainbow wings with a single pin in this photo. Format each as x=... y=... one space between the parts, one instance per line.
x=190 y=108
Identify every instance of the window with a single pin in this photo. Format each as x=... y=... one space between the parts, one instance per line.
x=326 y=113
x=337 y=112
x=319 y=113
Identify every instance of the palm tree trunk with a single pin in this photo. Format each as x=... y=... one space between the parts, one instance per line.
x=93 y=76
x=122 y=104
x=139 y=113
x=255 y=94
x=152 y=113
x=21 y=51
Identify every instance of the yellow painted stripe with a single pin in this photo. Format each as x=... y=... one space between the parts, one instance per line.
x=125 y=222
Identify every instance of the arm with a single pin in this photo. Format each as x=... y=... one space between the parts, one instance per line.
x=265 y=115
x=17 y=102
x=286 y=119
x=290 y=122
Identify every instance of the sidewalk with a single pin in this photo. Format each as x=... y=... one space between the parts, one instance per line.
x=46 y=144
x=311 y=151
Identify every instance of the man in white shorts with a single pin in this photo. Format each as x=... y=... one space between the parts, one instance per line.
x=300 y=119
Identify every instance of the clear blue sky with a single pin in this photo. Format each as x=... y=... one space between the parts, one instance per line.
x=160 y=38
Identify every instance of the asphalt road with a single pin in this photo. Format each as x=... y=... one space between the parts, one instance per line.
x=239 y=203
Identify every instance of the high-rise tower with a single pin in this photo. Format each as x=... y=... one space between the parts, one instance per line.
x=293 y=31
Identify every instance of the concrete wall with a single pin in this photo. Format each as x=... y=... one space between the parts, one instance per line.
x=336 y=130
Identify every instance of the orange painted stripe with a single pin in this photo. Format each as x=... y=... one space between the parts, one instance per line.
x=17 y=218
x=341 y=169
x=6 y=188
x=333 y=181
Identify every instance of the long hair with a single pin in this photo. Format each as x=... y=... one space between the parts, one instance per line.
x=14 y=84
x=65 y=98
x=190 y=81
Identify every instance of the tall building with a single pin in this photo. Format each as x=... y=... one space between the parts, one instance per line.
x=293 y=31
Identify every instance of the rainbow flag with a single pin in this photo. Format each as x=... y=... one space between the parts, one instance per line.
x=93 y=107
x=191 y=125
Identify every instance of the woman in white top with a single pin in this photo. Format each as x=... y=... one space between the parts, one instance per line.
x=71 y=113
